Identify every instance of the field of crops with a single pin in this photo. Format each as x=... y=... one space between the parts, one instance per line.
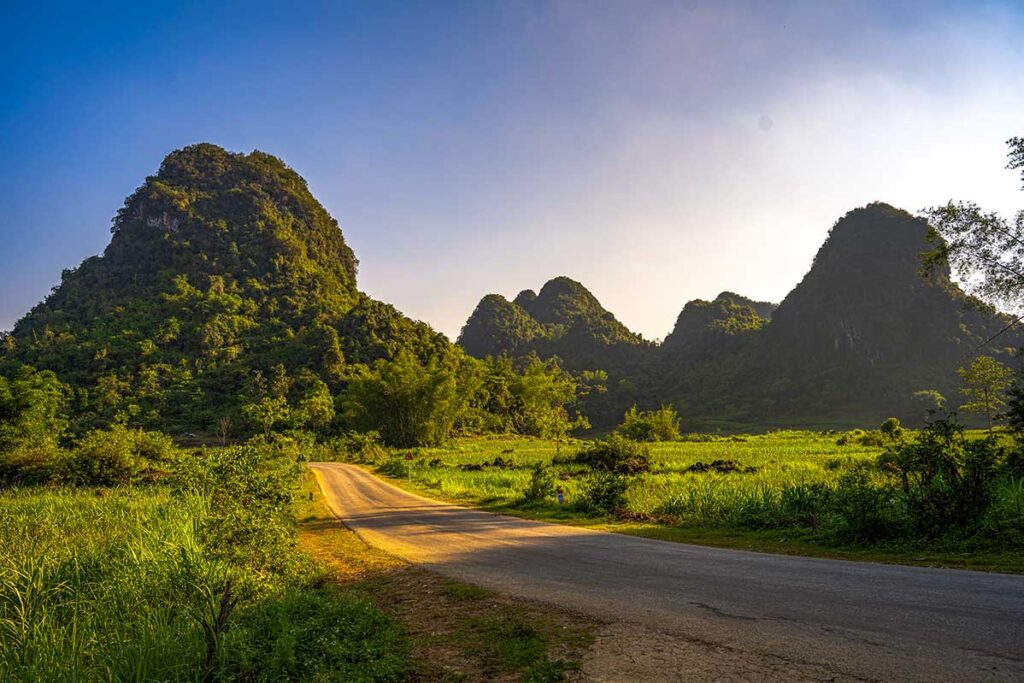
x=677 y=483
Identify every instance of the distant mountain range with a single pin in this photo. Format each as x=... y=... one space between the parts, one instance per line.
x=850 y=344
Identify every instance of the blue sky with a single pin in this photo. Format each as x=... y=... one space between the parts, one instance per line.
x=657 y=152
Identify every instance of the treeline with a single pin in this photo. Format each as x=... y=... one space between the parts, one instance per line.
x=407 y=402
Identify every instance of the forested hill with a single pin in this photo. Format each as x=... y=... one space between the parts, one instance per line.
x=564 y=319
x=867 y=328
x=851 y=343
x=223 y=272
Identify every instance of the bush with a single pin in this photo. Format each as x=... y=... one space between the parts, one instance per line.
x=604 y=492
x=947 y=478
x=542 y=483
x=891 y=429
x=862 y=512
x=615 y=454
x=652 y=425
x=361 y=447
x=805 y=503
x=29 y=465
x=400 y=467
x=118 y=457
x=860 y=437
x=1006 y=514
x=249 y=489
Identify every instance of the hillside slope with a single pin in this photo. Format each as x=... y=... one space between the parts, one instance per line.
x=850 y=344
x=865 y=328
x=220 y=265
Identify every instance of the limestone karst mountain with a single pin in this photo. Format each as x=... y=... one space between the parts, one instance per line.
x=219 y=265
x=852 y=342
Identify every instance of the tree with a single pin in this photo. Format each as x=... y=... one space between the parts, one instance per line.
x=650 y=425
x=264 y=408
x=317 y=405
x=409 y=403
x=892 y=429
x=985 y=249
x=985 y=383
x=224 y=429
x=32 y=408
x=266 y=412
x=931 y=399
x=542 y=483
x=543 y=394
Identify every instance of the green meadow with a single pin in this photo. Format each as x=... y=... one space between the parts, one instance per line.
x=778 y=459
x=760 y=492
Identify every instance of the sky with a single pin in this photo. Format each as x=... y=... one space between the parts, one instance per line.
x=655 y=151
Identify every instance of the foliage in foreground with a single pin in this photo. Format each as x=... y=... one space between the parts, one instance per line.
x=198 y=580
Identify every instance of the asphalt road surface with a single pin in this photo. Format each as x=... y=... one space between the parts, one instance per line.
x=853 y=620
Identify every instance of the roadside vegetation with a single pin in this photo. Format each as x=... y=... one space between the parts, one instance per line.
x=152 y=453
x=938 y=495
x=155 y=563
x=194 y=578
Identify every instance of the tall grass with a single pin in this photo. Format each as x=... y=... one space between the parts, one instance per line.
x=120 y=585
x=781 y=459
x=93 y=588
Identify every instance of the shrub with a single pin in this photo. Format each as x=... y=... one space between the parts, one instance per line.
x=860 y=437
x=891 y=429
x=805 y=503
x=542 y=483
x=29 y=465
x=652 y=425
x=615 y=454
x=947 y=478
x=118 y=457
x=604 y=492
x=1006 y=514
x=399 y=466
x=361 y=447
x=862 y=512
x=249 y=489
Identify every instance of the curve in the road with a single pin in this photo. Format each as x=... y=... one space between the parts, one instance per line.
x=857 y=619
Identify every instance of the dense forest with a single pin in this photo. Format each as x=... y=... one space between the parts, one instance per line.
x=226 y=305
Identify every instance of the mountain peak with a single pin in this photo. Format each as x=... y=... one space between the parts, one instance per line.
x=211 y=212
x=218 y=264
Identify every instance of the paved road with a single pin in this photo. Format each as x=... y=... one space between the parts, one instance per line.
x=856 y=620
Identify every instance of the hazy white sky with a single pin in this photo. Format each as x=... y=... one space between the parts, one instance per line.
x=657 y=152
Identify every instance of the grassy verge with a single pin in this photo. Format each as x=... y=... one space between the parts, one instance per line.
x=455 y=631
x=121 y=584
x=779 y=541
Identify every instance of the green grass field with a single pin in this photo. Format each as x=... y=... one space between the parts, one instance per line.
x=672 y=502
x=780 y=459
